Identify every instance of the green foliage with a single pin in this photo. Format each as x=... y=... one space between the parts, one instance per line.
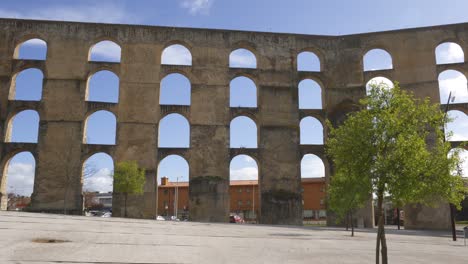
x=129 y=178
x=393 y=146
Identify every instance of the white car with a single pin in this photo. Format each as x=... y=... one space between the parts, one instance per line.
x=160 y=218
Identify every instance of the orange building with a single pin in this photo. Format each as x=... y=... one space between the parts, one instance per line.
x=244 y=197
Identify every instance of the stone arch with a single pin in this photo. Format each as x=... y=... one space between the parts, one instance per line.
x=242 y=58
x=23 y=126
x=173 y=170
x=105 y=51
x=100 y=128
x=26 y=85
x=21 y=184
x=96 y=176
x=377 y=81
x=458 y=126
x=308 y=61
x=312 y=166
x=243 y=133
x=311 y=131
x=31 y=49
x=310 y=94
x=174 y=131
x=455 y=82
x=176 y=54
x=103 y=86
x=175 y=90
x=377 y=59
x=245 y=187
x=449 y=52
x=242 y=92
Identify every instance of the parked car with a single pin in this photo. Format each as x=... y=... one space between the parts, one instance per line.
x=234 y=218
x=160 y=218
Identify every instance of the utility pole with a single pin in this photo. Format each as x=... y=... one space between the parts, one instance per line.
x=253 y=201
x=176 y=197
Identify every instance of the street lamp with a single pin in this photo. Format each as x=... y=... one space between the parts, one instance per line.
x=452 y=206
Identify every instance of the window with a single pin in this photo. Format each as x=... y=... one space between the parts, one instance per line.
x=105 y=51
x=449 y=52
x=308 y=61
x=242 y=58
x=377 y=59
x=176 y=55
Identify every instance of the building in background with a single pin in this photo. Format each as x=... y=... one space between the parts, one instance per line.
x=244 y=196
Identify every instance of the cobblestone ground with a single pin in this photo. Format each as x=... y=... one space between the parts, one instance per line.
x=41 y=238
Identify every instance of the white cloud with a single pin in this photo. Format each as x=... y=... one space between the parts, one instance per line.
x=378 y=81
x=101 y=181
x=20 y=178
x=449 y=53
x=104 y=12
x=197 y=6
x=107 y=50
x=312 y=167
x=246 y=173
x=243 y=59
x=176 y=55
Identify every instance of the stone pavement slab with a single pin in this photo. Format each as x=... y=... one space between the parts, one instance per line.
x=29 y=238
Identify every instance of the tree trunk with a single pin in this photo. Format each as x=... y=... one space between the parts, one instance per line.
x=347 y=221
x=398 y=218
x=65 y=201
x=381 y=231
x=352 y=224
x=125 y=205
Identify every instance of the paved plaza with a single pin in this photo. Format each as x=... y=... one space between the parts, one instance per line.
x=43 y=238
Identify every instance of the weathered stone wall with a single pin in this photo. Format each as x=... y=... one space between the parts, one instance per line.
x=60 y=151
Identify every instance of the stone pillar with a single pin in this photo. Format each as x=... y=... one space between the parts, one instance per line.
x=138 y=115
x=209 y=136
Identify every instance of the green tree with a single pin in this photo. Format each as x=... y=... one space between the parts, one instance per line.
x=128 y=179
x=393 y=146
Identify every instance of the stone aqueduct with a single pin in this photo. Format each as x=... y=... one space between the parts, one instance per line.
x=60 y=151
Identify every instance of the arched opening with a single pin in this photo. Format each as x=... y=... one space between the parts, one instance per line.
x=33 y=49
x=23 y=127
x=98 y=184
x=242 y=58
x=454 y=82
x=27 y=85
x=462 y=169
x=242 y=92
x=244 y=191
x=175 y=90
x=176 y=55
x=311 y=131
x=310 y=95
x=174 y=132
x=103 y=86
x=100 y=128
x=457 y=129
x=312 y=167
x=105 y=51
x=173 y=187
x=17 y=183
x=381 y=81
x=377 y=59
x=243 y=133
x=308 y=61
x=313 y=189
x=449 y=52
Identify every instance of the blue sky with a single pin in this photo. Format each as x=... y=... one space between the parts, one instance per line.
x=330 y=17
